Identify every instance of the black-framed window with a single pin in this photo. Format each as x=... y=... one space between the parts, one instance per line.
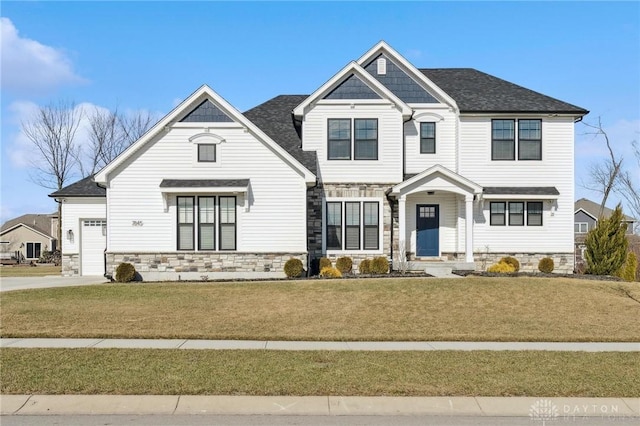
x=34 y=250
x=227 y=223
x=185 y=223
x=427 y=138
x=334 y=226
x=516 y=213
x=339 y=139
x=498 y=213
x=503 y=140
x=365 y=139
x=358 y=228
x=214 y=226
x=529 y=139
x=206 y=223
x=534 y=213
x=371 y=225
x=206 y=153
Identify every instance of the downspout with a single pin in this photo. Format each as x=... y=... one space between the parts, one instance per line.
x=104 y=254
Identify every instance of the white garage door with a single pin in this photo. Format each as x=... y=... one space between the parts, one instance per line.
x=94 y=241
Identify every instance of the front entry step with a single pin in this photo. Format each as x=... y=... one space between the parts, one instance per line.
x=439 y=268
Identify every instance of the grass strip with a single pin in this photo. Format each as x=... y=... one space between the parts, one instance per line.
x=172 y=372
x=29 y=271
x=415 y=309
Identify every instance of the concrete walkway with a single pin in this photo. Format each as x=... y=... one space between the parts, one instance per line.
x=620 y=409
x=313 y=346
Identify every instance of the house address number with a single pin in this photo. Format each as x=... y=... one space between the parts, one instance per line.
x=136 y=223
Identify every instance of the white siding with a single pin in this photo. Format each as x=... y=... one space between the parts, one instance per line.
x=448 y=211
x=555 y=169
x=445 y=154
x=386 y=169
x=276 y=213
x=74 y=210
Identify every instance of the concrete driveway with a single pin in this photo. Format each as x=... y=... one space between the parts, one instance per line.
x=22 y=283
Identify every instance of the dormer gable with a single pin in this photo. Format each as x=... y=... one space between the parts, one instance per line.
x=356 y=80
x=401 y=77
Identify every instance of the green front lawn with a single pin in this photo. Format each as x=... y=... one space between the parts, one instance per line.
x=180 y=372
x=473 y=308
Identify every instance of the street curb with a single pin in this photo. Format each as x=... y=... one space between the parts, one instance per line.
x=534 y=407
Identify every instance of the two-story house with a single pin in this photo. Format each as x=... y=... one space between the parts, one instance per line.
x=384 y=159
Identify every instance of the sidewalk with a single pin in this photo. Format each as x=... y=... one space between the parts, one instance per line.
x=314 y=346
x=627 y=409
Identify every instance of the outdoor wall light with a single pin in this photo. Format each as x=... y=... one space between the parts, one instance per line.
x=70 y=234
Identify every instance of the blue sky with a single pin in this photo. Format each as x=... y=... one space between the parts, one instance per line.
x=150 y=55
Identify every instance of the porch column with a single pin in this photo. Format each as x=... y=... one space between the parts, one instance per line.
x=402 y=223
x=468 y=228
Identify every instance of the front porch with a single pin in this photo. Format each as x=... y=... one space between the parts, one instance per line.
x=435 y=218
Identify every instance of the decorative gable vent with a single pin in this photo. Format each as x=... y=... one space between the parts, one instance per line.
x=382 y=66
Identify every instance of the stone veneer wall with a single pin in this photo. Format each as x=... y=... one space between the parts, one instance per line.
x=315 y=196
x=70 y=265
x=203 y=262
x=563 y=262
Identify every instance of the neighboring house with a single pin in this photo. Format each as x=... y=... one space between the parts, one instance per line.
x=27 y=237
x=585 y=218
x=447 y=166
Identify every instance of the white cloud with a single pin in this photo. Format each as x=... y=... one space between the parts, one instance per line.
x=30 y=66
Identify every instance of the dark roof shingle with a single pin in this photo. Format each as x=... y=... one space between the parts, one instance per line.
x=83 y=188
x=275 y=118
x=520 y=190
x=203 y=183
x=475 y=91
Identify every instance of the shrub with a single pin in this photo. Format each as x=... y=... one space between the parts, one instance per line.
x=293 y=268
x=365 y=267
x=628 y=271
x=607 y=245
x=379 y=265
x=546 y=265
x=344 y=264
x=330 y=272
x=324 y=262
x=510 y=260
x=125 y=273
x=501 y=268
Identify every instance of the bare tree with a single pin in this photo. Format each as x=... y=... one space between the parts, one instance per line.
x=628 y=187
x=603 y=176
x=135 y=125
x=52 y=130
x=110 y=133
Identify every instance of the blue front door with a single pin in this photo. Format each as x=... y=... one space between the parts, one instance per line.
x=427 y=230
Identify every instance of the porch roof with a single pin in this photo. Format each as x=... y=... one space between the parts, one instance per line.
x=540 y=192
x=437 y=178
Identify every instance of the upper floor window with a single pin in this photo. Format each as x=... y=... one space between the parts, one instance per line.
x=364 y=139
x=503 y=139
x=427 y=138
x=581 y=227
x=339 y=146
x=529 y=139
x=206 y=153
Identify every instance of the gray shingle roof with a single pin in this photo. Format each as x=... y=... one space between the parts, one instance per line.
x=83 y=188
x=275 y=118
x=203 y=183
x=593 y=209
x=475 y=91
x=520 y=190
x=39 y=222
